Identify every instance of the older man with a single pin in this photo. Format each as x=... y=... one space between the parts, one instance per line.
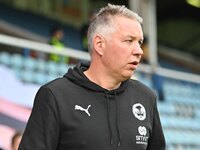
x=97 y=106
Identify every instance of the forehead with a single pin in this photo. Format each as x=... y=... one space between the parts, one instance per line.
x=128 y=26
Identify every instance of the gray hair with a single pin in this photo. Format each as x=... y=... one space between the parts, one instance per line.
x=102 y=22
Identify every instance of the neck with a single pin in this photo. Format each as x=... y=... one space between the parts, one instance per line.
x=101 y=77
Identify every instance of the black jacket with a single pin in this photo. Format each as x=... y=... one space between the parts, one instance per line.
x=73 y=113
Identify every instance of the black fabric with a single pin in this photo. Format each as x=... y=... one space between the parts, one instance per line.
x=59 y=120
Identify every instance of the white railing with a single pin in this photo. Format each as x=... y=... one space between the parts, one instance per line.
x=78 y=54
x=42 y=47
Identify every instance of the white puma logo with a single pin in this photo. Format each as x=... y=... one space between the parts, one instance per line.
x=77 y=107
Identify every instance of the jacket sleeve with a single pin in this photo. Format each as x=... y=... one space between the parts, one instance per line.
x=42 y=129
x=157 y=139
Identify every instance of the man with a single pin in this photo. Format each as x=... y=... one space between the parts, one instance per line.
x=16 y=140
x=57 y=34
x=98 y=106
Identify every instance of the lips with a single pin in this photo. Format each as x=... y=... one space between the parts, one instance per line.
x=134 y=64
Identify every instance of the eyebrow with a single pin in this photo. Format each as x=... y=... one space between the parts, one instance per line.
x=134 y=37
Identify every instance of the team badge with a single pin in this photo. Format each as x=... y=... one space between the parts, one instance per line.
x=139 y=111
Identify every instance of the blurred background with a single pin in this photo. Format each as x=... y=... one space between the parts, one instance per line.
x=41 y=39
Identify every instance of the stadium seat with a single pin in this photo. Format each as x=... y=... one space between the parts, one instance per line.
x=40 y=65
x=51 y=67
x=5 y=58
x=51 y=77
x=166 y=108
x=29 y=63
x=40 y=78
x=27 y=76
x=62 y=68
x=16 y=61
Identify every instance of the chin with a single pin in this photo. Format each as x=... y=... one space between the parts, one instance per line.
x=127 y=76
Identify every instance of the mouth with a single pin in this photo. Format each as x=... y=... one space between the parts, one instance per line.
x=134 y=64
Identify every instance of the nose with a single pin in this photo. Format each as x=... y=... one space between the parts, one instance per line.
x=140 y=51
x=137 y=50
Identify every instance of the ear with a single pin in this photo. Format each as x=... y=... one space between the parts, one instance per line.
x=99 y=44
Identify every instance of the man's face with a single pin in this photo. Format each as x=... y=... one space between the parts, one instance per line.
x=59 y=34
x=122 y=51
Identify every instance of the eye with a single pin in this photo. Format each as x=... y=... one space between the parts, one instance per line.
x=129 y=40
x=140 y=42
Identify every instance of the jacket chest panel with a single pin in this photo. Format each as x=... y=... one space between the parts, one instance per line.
x=86 y=123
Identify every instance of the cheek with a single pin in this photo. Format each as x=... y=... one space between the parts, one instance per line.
x=117 y=58
x=119 y=50
x=116 y=53
x=122 y=54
